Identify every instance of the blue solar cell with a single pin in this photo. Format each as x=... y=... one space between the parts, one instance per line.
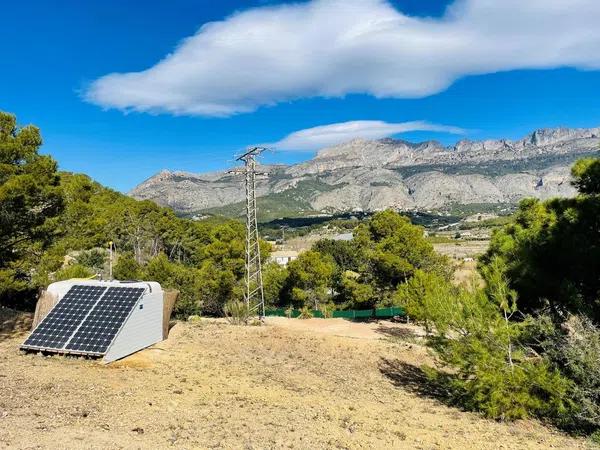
x=62 y=321
x=86 y=320
x=98 y=330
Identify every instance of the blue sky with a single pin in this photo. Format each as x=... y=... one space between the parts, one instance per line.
x=120 y=132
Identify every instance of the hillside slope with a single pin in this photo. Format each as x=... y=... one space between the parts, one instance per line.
x=373 y=175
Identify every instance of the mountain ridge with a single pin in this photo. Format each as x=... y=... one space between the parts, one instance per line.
x=369 y=175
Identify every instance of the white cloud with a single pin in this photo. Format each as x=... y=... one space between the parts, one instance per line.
x=330 y=48
x=336 y=133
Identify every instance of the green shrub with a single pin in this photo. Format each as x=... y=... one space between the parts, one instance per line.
x=327 y=310
x=586 y=175
x=310 y=278
x=428 y=299
x=551 y=249
x=503 y=392
x=274 y=277
x=127 y=268
x=236 y=312
x=176 y=276
x=211 y=287
x=94 y=259
x=305 y=313
x=574 y=348
x=357 y=295
x=73 y=271
x=493 y=369
x=502 y=385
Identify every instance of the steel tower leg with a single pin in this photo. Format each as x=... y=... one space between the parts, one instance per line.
x=254 y=294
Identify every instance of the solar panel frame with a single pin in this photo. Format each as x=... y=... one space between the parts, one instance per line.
x=92 y=329
x=100 y=328
x=65 y=317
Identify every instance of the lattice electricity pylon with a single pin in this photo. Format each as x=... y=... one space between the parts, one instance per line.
x=254 y=295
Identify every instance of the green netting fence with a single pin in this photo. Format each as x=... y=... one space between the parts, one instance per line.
x=379 y=313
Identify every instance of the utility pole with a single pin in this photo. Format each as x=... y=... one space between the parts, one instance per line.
x=110 y=261
x=254 y=294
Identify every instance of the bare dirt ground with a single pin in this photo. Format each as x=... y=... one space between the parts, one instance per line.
x=289 y=384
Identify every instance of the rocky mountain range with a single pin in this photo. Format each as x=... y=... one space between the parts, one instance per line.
x=373 y=175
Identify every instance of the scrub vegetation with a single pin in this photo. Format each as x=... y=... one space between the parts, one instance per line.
x=527 y=343
x=524 y=344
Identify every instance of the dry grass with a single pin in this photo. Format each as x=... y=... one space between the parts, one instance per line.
x=465 y=273
x=462 y=249
x=291 y=384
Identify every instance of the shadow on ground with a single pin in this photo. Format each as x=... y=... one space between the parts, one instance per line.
x=414 y=379
x=14 y=323
x=404 y=334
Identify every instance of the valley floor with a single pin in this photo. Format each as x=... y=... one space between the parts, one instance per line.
x=290 y=384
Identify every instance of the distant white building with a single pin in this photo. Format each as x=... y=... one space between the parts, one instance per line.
x=283 y=257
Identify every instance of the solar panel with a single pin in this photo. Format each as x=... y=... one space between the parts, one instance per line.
x=86 y=320
x=62 y=321
x=104 y=322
